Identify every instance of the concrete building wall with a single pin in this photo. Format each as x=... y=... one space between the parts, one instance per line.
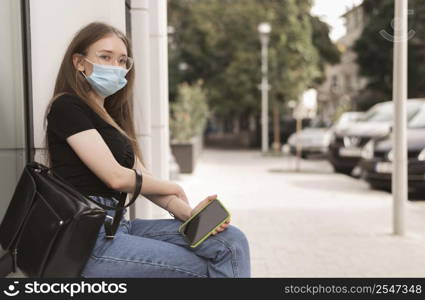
x=343 y=82
x=12 y=118
x=148 y=31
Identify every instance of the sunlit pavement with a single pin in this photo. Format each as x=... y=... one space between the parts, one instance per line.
x=312 y=223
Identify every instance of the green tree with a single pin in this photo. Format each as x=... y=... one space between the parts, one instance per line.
x=328 y=51
x=375 y=51
x=219 y=42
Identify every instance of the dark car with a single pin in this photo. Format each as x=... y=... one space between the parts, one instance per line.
x=345 y=147
x=377 y=156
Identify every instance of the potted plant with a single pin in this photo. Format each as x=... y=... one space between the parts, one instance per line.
x=187 y=123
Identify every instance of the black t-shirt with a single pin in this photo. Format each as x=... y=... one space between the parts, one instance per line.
x=68 y=115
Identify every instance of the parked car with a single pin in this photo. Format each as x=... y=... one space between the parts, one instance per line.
x=346 y=145
x=313 y=139
x=346 y=120
x=288 y=126
x=377 y=157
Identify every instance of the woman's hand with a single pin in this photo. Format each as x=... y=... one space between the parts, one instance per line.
x=179 y=192
x=201 y=205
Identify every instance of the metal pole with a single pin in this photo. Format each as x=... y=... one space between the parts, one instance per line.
x=399 y=178
x=264 y=94
x=298 y=145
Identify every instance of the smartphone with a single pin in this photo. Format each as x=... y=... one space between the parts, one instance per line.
x=201 y=225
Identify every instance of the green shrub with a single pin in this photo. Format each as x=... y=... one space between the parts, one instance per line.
x=188 y=113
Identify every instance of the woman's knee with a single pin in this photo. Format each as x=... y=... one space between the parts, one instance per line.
x=234 y=236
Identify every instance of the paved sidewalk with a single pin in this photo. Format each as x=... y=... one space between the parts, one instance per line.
x=313 y=223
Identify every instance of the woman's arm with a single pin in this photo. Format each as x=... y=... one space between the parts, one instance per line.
x=125 y=182
x=96 y=155
x=138 y=165
x=179 y=207
x=173 y=204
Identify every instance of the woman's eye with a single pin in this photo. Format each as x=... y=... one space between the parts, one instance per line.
x=105 y=57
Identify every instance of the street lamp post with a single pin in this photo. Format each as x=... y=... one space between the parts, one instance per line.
x=170 y=31
x=264 y=30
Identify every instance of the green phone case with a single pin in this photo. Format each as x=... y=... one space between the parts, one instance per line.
x=209 y=233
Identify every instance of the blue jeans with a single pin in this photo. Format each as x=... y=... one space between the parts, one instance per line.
x=155 y=248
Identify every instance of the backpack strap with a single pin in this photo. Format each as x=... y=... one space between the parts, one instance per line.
x=112 y=223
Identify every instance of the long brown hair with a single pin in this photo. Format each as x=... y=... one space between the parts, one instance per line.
x=119 y=106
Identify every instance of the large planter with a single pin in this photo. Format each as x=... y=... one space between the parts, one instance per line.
x=185 y=156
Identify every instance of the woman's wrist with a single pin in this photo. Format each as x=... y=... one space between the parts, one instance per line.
x=179 y=208
x=171 y=198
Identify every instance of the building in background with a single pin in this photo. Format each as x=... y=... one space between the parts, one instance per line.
x=343 y=82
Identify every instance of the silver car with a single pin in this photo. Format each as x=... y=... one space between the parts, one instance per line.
x=313 y=139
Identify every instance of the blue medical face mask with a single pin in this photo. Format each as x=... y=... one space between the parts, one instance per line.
x=106 y=80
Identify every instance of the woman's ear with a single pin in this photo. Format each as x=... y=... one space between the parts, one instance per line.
x=78 y=62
